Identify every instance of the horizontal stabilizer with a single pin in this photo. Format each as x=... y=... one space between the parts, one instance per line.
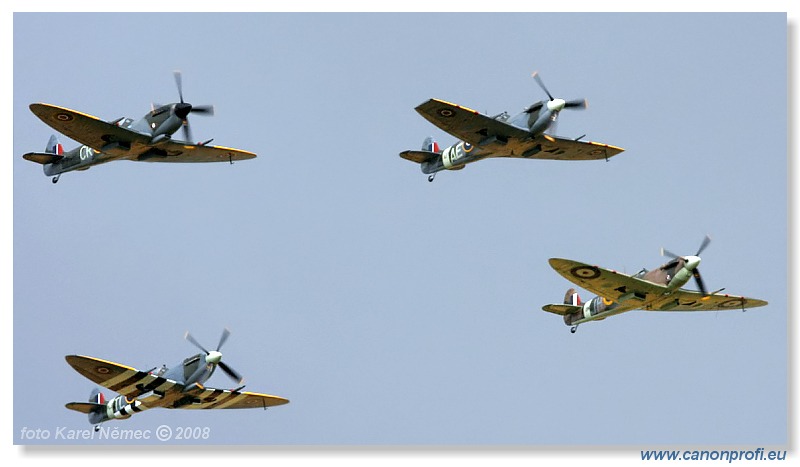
x=85 y=407
x=419 y=156
x=561 y=309
x=42 y=157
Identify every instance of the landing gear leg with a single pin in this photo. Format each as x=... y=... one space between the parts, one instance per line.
x=431 y=177
x=573 y=329
x=55 y=179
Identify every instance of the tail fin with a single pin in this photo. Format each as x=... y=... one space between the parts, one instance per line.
x=54 y=146
x=572 y=298
x=54 y=152
x=430 y=145
x=97 y=397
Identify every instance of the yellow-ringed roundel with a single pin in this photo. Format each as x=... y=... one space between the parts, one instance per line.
x=585 y=272
x=63 y=117
x=468 y=147
x=102 y=370
x=447 y=113
x=732 y=303
x=607 y=302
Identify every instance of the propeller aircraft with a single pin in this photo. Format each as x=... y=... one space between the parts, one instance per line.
x=179 y=387
x=482 y=137
x=147 y=139
x=656 y=290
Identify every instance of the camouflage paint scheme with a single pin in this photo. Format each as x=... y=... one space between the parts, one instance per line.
x=180 y=387
x=522 y=136
x=656 y=290
x=147 y=139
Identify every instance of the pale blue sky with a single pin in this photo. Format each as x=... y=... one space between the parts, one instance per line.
x=389 y=310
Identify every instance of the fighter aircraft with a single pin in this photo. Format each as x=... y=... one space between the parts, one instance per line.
x=179 y=387
x=656 y=290
x=147 y=139
x=522 y=136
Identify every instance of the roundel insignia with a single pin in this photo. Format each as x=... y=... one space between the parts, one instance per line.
x=468 y=147
x=102 y=370
x=732 y=303
x=607 y=302
x=63 y=117
x=585 y=272
x=596 y=152
x=447 y=113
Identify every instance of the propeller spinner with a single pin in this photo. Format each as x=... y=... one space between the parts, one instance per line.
x=554 y=105
x=214 y=357
x=183 y=109
x=692 y=262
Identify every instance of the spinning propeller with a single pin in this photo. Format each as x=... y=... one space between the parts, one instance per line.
x=183 y=109
x=214 y=357
x=692 y=262
x=554 y=105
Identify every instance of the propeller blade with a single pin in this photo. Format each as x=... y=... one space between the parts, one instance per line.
x=535 y=107
x=535 y=76
x=553 y=129
x=191 y=339
x=576 y=104
x=670 y=265
x=179 y=83
x=225 y=333
x=203 y=109
x=703 y=245
x=231 y=372
x=665 y=252
x=699 y=280
x=187 y=132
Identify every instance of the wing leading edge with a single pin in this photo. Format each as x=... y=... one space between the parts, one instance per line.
x=606 y=282
x=86 y=129
x=623 y=288
x=501 y=139
x=178 y=151
x=210 y=398
x=467 y=124
x=167 y=393
x=688 y=300
x=119 y=378
x=124 y=143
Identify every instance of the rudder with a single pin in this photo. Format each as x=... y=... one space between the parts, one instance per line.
x=54 y=146
x=430 y=145
x=572 y=298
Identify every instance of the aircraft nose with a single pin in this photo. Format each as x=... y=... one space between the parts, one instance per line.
x=692 y=262
x=556 y=105
x=182 y=110
x=214 y=357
